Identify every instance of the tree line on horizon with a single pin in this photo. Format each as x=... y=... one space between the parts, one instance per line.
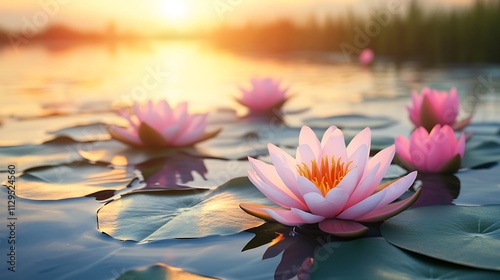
x=465 y=35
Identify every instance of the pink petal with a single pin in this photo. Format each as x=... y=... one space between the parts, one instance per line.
x=327 y=134
x=328 y=207
x=342 y=228
x=305 y=155
x=383 y=157
x=396 y=189
x=359 y=159
x=390 y=210
x=285 y=167
x=308 y=137
x=335 y=145
x=268 y=175
x=305 y=186
x=363 y=138
x=293 y=217
x=362 y=208
x=365 y=187
x=349 y=182
x=274 y=194
x=418 y=151
x=128 y=135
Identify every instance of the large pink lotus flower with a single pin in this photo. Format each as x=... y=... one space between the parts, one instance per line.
x=329 y=184
x=434 y=152
x=157 y=125
x=433 y=107
x=366 y=57
x=264 y=96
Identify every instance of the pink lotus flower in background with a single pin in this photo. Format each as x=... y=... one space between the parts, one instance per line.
x=157 y=125
x=433 y=107
x=264 y=96
x=366 y=57
x=436 y=152
x=329 y=184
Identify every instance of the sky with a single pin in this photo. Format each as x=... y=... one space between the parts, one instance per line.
x=152 y=16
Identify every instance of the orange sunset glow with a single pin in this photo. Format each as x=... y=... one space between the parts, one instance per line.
x=151 y=16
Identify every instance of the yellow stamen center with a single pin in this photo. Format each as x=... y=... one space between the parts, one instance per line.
x=327 y=174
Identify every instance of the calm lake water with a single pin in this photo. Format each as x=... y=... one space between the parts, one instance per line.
x=51 y=90
x=44 y=79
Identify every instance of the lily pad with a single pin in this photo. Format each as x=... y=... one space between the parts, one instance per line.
x=353 y=121
x=160 y=271
x=208 y=212
x=71 y=180
x=84 y=133
x=181 y=171
x=58 y=151
x=381 y=260
x=464 y=235
x=479 y=187
x=481 y=150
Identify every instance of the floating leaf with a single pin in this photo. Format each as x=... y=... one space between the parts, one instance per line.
x=353 y=121
x=208 y=212
x=160 y=271
x=374 y=258
x=57 y=151
x=84 y=133
x=465 y=235
x=480 y=150
x=479 y=187
x=71 y=180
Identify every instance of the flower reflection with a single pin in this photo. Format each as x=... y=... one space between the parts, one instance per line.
x=172 y=172
x=329 y=183
x=437 y=189
x=157 y=125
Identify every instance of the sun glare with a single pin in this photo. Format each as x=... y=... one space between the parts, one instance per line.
x=175 y=11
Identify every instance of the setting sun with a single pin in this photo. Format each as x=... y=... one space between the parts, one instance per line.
x=175 y=11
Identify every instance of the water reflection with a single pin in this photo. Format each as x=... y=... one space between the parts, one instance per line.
x=172 y=172
x=437 y=189
x=299 y=247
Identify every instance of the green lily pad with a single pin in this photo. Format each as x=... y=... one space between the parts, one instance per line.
x=71 y=180
x=374 y=258
x=160 y=271
x=464 y=235
x=480 y=150
x=479 y=187
x=181 y=214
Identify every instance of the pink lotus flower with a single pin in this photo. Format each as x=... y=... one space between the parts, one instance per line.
x=433 y=107
x=329 y=184
x=157 y=125
x=366 y=57
x=264 y=96
x=434 y=152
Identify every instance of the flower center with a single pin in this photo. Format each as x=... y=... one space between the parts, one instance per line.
x=327 y=174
